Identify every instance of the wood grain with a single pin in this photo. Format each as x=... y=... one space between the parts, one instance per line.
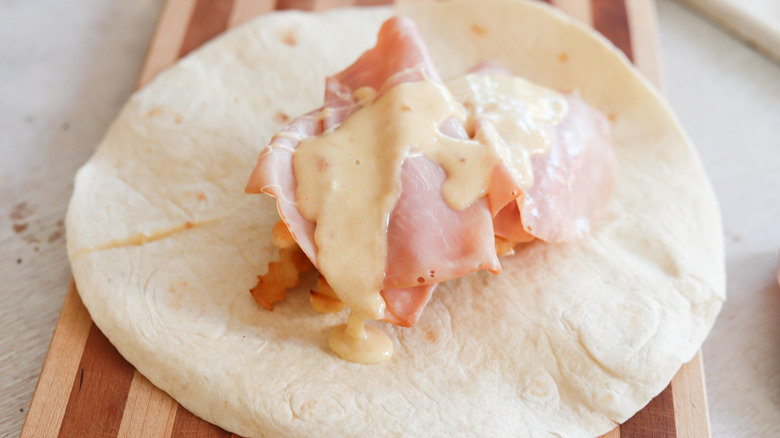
x=578 y=9
x=643 y=33
x=188 y=426
x=655 y=420
x=304 y=5
x=244 y=10
x=115 y=400
x=212 y=18
x=690 y=407
x=100 y=388
x=149 y=411
x=611 y=19
x=614 y=433
x=62 y=363
x=167 y=41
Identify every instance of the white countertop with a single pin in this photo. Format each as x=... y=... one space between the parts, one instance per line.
x=65 y=72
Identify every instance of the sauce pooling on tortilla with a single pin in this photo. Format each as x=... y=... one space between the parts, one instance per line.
x=349 y=179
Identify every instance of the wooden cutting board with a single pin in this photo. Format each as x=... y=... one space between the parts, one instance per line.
x=87 y=389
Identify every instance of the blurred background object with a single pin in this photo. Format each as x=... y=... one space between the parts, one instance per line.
x=756 y=22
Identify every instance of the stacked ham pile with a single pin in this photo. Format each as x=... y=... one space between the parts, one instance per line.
x=429 y=242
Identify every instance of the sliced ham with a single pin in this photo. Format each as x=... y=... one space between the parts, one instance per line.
x=421 y=221
x=429 y=242
x=572 y=182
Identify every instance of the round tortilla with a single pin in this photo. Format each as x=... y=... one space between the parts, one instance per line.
x=568 y=341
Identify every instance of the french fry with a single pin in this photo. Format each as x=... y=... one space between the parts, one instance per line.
x=504 y=246
x=281 y=236
x=324 y=299
x=282 y=274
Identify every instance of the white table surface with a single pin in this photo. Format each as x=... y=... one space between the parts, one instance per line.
x=65 y=72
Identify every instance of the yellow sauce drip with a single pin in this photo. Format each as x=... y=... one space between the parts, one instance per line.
x=349 y=179
x=357 y=342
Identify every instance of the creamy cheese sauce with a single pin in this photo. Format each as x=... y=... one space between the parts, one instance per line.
x=512 y=116
x=349 y=179
x=357 y=342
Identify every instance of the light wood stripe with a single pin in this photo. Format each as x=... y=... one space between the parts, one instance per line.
x=690 y=407
x=579 y=9
x=166 y=44
x=149 y=411
x=212 y=17
x=62 y=362
x=610 y=18
x=322 y=5
x=100 y=388
x=244 y=10
x=372 y=2
x=643 y=28
x=614 y=433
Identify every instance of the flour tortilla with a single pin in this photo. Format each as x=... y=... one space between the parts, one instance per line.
x=568 y=341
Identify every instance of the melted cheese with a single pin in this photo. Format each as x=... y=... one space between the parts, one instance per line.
x=349 y=179
x=512 y=116
x=357 y=342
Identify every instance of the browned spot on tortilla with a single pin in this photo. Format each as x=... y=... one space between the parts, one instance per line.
x=177 y=119
x=611 y=117
x=60 y=223
x=430 y=335
x=201 y=197
x=54 y=236
x=21 y=211
x=36 y=249
x=477 y=29
x=563 y=57
x=30 y=239
x=154 y=112
x=406 y=108
x=176 y=293
x=18 y=228
x=281 y=118
x=288 y=37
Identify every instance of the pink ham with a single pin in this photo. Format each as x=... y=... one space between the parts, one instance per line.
x=572 y=182
x=457 y=243
x=428 y=242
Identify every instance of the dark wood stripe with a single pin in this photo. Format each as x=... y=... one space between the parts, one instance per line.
x=209 y=19
x=546 y=1
x=304 y=5
x=100 y=388
x=611 y=19
x=187 y=425
x=654 y=420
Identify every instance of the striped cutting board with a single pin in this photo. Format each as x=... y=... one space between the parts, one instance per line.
x=87 y=389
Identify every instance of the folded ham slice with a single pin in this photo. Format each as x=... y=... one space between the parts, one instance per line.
x=572 y=181
x=429 y=242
